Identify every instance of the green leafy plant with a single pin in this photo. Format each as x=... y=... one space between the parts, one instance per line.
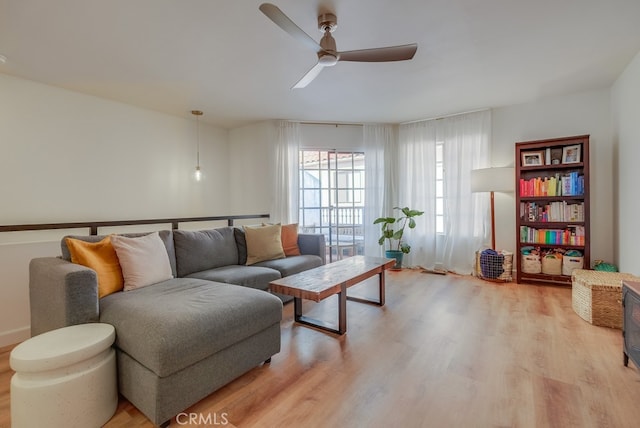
x=393 y=228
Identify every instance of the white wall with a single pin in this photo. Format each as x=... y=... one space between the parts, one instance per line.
x=578 y=114
x=68 y=157
x=626 y=107
x=251 y=167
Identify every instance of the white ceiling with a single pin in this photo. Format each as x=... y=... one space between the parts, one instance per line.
x=226 y=58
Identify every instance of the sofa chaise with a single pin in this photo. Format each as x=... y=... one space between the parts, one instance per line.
x=180 y=339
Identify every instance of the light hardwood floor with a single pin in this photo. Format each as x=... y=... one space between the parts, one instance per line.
x=445 y=351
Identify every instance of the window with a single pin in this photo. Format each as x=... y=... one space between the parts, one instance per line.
x=332 y=199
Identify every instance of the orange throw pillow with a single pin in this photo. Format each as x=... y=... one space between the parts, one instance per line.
x=289 y=236
x=102 y=258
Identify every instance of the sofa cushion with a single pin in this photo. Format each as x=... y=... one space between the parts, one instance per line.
x=204 y=249
x=241 y=242
x=290 y=239
x=144 y=260
x=248 y=276
x=293 y=264
x=165 y=235
x=263 y=243
x=101 y=257
x=176 y=323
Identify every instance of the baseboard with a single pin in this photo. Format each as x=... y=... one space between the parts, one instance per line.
x=12 y=337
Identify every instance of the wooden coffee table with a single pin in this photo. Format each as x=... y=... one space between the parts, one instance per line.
x=333 y=278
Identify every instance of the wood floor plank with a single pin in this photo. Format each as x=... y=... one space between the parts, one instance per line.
x=445 y=351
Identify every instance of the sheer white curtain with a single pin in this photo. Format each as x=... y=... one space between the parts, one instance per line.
x=465 y=140
x=380 y=148
x=417 y=189
x=284 y=208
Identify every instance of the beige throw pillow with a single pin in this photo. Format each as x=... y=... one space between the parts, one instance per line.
x=263 y=243
x=144 y=260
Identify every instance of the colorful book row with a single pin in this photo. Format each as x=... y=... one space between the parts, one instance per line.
x=571 y=184
x=572 y=235
x=554 y=211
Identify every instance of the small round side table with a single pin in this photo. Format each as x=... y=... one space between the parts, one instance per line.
x=65 y=378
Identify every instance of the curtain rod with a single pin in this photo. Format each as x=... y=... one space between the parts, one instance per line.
x=444 y=117
x=329 y=123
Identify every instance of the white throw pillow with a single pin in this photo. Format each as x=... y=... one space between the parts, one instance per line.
x=144 y=260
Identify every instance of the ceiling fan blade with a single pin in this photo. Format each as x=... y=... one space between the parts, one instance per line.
x=390 y=53
x=307 y=78
x=281 y=20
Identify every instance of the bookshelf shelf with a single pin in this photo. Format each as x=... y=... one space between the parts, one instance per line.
x=552 y=201
x=551 y=224
x=558 y=167
x=552 y=198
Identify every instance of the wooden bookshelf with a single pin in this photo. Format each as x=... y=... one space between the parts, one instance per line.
x=552 y=202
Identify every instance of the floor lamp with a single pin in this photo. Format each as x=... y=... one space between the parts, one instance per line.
x=493 y=180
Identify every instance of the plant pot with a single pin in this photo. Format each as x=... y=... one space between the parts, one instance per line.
x=395 y=254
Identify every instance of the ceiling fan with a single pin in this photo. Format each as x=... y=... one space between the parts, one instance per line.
x=328 y=55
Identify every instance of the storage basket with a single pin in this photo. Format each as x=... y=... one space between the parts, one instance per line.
x=552 y=265
x=531 y=263
x=597 y=296
x=507 y=267
x=570 y=263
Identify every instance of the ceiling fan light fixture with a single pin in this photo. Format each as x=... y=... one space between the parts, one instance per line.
x=327 y=59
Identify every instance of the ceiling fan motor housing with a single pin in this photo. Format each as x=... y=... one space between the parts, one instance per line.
x=327 y=22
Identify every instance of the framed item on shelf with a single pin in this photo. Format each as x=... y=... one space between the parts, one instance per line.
x=533 y=158
x=571 y=154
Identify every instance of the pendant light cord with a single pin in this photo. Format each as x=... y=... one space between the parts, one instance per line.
x=197 y=114
x=197 y=142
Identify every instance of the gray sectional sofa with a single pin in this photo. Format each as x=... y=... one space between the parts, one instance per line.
x=179 y=340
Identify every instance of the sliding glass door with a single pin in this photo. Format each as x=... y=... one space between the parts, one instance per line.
x=332 y=199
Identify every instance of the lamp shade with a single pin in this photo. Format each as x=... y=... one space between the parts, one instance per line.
x=493 y=180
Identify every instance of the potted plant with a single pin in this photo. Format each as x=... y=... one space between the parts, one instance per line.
x=393 y=231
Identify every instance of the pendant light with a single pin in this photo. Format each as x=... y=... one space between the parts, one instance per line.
x=198 y=173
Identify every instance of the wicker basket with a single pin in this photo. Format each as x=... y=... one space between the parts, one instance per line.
x=531 y=263
x=507 y=266
x=552 y=265
x=597 y=296
x=569 y=263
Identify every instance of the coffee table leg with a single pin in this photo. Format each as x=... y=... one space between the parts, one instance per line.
x=297 y=308
x=382 y=290
x=342 y=314
x=342 y=309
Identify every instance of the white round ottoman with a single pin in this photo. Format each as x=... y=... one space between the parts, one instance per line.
x=65 y=378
